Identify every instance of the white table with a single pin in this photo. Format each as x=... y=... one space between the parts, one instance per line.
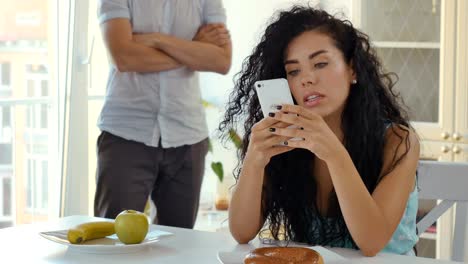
x=22 y=244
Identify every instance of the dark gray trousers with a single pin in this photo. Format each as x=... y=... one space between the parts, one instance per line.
x=128 y=172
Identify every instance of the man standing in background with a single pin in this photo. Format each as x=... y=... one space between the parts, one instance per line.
x=154 y=135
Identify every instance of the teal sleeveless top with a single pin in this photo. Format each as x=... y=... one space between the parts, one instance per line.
x=402 y=242
x=405 y=236
x=403 y=239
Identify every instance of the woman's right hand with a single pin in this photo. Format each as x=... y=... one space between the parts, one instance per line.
x=245 y=218
x=263 y=144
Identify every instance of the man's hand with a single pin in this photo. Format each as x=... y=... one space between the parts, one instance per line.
x=216 y=34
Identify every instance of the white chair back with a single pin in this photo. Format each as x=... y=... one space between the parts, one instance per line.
x=448 y=182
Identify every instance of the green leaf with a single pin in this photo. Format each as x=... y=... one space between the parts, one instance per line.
x=235 y=138
x=218 y=170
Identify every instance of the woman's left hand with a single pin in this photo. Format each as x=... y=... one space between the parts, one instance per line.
x=316 y=135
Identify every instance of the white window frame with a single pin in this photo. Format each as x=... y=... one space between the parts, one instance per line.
x=75 y=139
x=3 y=130
x=6 y=136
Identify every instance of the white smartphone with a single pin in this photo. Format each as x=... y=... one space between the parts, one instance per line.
x=272 y=93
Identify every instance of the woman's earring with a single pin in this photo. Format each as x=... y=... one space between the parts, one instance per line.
x=354 y=81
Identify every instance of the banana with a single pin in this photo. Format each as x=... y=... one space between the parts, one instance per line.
x=90 y=230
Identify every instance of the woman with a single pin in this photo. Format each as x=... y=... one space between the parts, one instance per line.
x=351 y=181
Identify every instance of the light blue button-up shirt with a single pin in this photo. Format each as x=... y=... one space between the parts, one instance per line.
x=146 y=107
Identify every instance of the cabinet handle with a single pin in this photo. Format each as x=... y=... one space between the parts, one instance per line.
x=457 y=150
x=445 y=135
x=445 y=149
x=456 y=136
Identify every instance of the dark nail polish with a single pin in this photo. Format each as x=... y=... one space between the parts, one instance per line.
x=279 y=107
x=272 y=129
x=285 y=143
x=271 y=114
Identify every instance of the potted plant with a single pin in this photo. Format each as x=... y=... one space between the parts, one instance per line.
x=222 y=192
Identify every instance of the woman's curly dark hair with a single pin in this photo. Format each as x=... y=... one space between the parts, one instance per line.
x=289 y=191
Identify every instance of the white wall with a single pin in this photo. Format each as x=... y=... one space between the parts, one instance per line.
x=338 y=7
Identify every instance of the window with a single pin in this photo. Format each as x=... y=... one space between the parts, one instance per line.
x=5 y=191
x=6 y=117
x=37 y=184
x=5 y=124
x=6 y=204
x=5 y=76
x=5 y=79
x=6 y=153
x=37 y=176
x=37 y=86
x=34 y=75
x=6 y=147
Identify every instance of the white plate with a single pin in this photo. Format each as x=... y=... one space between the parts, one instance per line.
x=237 y=257
x=107 y=245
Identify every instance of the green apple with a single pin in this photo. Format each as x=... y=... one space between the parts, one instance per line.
x=131 y=226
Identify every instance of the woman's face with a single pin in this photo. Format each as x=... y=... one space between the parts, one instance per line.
x=317 y=74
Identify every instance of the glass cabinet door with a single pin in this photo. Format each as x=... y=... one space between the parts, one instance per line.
x=412 y=39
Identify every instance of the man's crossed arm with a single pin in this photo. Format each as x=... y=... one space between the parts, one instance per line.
x=210 y=49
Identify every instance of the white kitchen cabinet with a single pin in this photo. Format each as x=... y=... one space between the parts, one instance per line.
x=425 y=42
